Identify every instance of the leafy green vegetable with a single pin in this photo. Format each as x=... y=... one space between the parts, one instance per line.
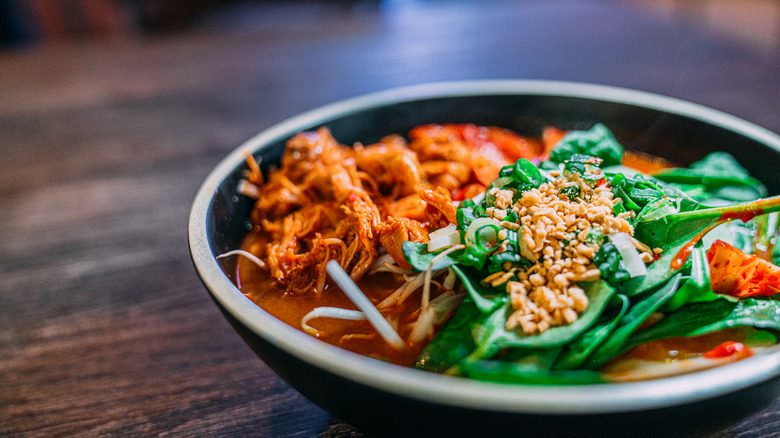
x=598 y=142
x=674 y=231
x=697 y=286
x=695 y=319
x=466 y=215
x=584 y=165
x=720 y=163
x=685 y=320
x=696 y=192
x=611 y=265
x=754 y=312
x=513 y=372
x=635 y=191
x=485 y=298
x=576 y=352
x=497 y=260
x=635 y=316
x=721 y=175
x=658 y=273
x=673 y=227
x=767 y=228
x=473 y=257
x=525 y=172
x=495 y=336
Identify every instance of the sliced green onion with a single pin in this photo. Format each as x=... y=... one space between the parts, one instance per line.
x=506 y=171
x=442 y=242
x=619 y=207
x=443 y=238
x=525 y=171
x=471 y=232
x=501 y=182
x=486 y=237
x=628 y=252
x=442 y=231
x=473 y=257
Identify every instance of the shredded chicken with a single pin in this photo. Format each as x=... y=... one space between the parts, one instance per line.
x=330 y=201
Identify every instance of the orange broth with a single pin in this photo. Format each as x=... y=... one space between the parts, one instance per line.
x=356 y=336
x=682 y=348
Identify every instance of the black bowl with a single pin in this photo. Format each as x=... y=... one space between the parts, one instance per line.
x=387 y=400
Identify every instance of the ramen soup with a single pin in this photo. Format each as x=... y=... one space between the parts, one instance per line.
x=476 y=252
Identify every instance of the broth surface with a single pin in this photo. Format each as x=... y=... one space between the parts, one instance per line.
x=356 y=336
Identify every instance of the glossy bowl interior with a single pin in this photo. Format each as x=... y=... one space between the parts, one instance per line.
x=388 y=400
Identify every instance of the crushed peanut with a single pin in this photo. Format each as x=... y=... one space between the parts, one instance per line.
x=555 y=237
x=503 y=198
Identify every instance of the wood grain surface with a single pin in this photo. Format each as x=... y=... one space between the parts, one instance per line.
x=105 y=328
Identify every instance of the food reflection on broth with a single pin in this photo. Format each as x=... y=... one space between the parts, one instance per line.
x=481 y=223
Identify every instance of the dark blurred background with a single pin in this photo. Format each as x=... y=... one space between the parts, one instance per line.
x=24 y=22
x=113 y=112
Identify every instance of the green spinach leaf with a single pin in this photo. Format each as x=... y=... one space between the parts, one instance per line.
x=697 y=286
x=610 y=263
x=695 y=319
x=721 y=175
x=673 y=227
x=576 y=352
x=496 y=337
x=658 y=272
x=513 y=372
x=685 y=320
x=485 y=298
x=635 y=316
x=761 y=314
x=598 y=142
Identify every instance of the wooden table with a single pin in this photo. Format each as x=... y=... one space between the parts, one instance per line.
x=104 y=325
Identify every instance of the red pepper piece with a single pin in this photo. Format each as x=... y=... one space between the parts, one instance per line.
x=729 y=348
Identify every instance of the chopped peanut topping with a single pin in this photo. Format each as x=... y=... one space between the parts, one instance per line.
x=555 y=237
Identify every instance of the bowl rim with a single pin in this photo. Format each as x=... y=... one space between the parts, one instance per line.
x=452 y=391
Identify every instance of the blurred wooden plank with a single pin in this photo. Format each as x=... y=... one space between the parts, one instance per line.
x=104 y=326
